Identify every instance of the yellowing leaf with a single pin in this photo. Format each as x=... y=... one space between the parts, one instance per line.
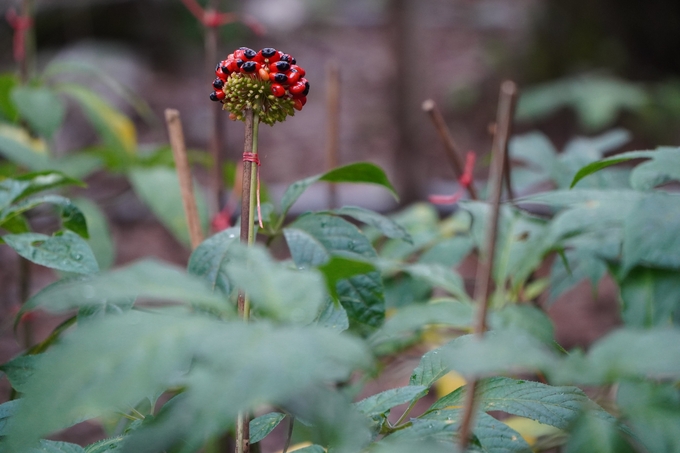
x=531 y=430
x=20 y=135
x=117 y=130
x=448 y=383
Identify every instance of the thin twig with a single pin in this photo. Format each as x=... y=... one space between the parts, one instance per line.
x=485 y=267
x=333 y=112
x=504 y=129
x=455 y=156
x=179 y=152
x=217 y=127
x=26 y=64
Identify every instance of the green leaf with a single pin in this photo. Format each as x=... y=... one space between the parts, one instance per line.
x=311 y=449
x=18 y=147
x=449 y=252
x=158 y=188
x=360 y=172
x=7 y=410
x=100 y=239
x=446 y=312
x=71 y=217
x=68 y=252
x=430 y=368
x=117 y=131
x=653 y=412
x=19 y=370
x=50 y=446
x=314 y=238
x=261 y=426
x=649 y=233
x=536 y=150
x=650 y=297
x=604 y=163
x=597 y=99
x=333 y=317
x=581 y=265
x=13 y=190
x=550 y=405
x=496 y=353
x=385 y=225
x=625 y=353
x=593 y=434
x=40 y=107
x=526 y=318
x=262 y=279
x=148 y=279
x=88 y=375
x=7 y=108
x=382 y=402
x=663 y=167
x=339 y=268
x=210 y=258
x=421 y=221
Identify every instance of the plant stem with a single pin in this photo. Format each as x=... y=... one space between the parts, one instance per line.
x=26 y=64
x=248 y=197
x=217 y=126
x=506 y=109
x=485 y=267
x=454 y=154
x=24 y=292
x=289 y=435
x=179 y=152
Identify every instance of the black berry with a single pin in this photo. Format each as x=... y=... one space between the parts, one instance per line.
x=213 y=97
x=218 y=83
x=249 y=53
x=249 y=66
x=282 y=66
x=280 y=78
x=268 y=52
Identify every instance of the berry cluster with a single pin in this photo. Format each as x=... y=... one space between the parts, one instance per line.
x=269 y=82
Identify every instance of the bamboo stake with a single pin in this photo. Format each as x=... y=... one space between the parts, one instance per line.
x=455 y=156
x=485 y=267
x=333 y=118
x=179 y=153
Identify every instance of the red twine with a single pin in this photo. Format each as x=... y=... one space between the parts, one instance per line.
x=465 y=180
x=213 y=19
x=252 y=157
x=20 y=24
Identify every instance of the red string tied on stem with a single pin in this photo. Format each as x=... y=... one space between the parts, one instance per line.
x=252 y=157
x=214 y=19
x=465 y=180
x=20 y=24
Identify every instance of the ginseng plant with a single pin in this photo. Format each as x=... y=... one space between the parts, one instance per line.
x=265 y=86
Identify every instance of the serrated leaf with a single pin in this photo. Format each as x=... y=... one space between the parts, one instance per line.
x=110 y=445
x=526 y=318
x=88 y=375
x=40 y=107
x=314 y=238
x=261 y=426
x=360 y=172
x=662 y=168
x=385 y=225
x=339 y=268
x=15 y=189
x=148 y=279
x=333 y=317
x=253 y=270
x=68 y=252
x=382 y=402
x=17 y=146
x=430 y=368
x=579 y=265
x=71 y=217
x=550 y=405
x=649 y=233
x=19 y=369
x=210 y=258
x=117 y=130
x=158 y=188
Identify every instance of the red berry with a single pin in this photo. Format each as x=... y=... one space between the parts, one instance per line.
x=213 y=96
x=297 y=104
x=306 y=91
x=222 y=73
x=297 y=89
x=249 y=67
x=278 y=77
x=298 y=69
x=289 y=58
x=293 y=76
x=270 y=53
x=264 y=75
x=281 y=66
x=220 y=94
x=238 y=54
x=278 y=90
x=249 y=54
x=303 y=100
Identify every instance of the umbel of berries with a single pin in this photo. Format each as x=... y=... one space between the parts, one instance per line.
x=268 y=82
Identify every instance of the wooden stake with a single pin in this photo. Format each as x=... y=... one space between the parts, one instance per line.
x=455 y=156
x=333 y=118
x=179 y=152
x=485 y=267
